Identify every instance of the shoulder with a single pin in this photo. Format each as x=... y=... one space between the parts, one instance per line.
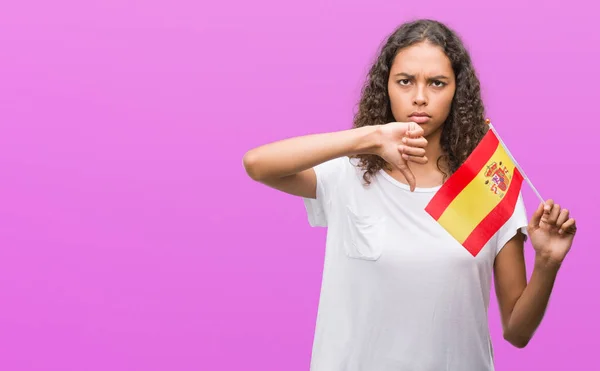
x=514 y=231
x=333 y=182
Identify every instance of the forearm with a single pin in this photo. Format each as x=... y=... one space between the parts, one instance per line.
x=531 y=305
x=291 y=156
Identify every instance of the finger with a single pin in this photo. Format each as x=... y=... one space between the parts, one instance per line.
x=417 y=159
x=414 y=130
x=536 y=218
x=554 y=213
x=562 y=217
x=415 y=142
x=568 y=227
x=415 y=133
x=412 y=151
x=547 y=208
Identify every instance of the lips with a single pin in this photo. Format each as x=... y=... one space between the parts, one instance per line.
x=420 y=117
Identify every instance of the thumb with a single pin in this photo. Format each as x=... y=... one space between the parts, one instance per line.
x=410 y=178
x=536 y=218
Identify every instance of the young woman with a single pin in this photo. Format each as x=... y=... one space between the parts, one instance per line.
x=398 y=292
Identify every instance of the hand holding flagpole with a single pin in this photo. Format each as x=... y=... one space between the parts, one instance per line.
x=489 y=122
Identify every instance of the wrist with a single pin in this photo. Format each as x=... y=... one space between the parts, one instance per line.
x=545 y=262
x=369 y=140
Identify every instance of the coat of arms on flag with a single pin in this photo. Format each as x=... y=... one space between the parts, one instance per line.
x=480 y=197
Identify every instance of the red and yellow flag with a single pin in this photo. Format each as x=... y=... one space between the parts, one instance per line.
x=480 y=197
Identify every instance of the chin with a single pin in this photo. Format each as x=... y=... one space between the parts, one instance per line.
x=431 y=130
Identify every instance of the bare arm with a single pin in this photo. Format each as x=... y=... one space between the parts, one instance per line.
x=287 y=165
x=522 y=304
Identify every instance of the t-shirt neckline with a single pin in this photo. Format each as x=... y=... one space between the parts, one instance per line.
x=406 y=186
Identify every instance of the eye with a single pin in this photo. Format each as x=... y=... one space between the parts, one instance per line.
x=404 y=82
x=438 y=84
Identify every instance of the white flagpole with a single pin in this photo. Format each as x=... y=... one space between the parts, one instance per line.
x=515 y=161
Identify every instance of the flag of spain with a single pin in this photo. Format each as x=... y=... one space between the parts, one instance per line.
x=480 y=197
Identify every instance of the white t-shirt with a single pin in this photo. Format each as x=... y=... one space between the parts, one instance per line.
x=398 y=292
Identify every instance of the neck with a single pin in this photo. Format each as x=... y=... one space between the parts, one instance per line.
x=433 y=150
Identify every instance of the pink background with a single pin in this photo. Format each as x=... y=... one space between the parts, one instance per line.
x=132 y=239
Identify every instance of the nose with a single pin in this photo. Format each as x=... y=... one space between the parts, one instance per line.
x=420 y=98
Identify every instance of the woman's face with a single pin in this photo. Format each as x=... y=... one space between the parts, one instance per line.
x=421 y=86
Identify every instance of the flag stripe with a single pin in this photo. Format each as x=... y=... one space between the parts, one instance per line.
x=477 y=199
x=463 y=175
x=496 y=218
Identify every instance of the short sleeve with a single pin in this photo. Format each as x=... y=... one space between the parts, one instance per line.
x=518 y=221
x=328 y=174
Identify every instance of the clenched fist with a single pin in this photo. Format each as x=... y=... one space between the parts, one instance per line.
x=399 y=143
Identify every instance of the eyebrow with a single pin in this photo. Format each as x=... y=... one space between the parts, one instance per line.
x=409 y=76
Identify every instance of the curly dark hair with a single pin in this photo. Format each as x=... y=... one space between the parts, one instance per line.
x=465 y=125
